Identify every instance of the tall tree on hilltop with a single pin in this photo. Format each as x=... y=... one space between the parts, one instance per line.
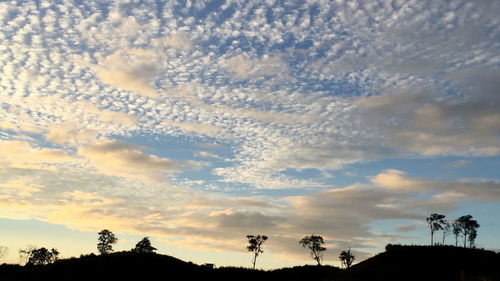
x=255 y=246
x=468 y=226
x=106 y=240
x=314 y=243
x=435 y=222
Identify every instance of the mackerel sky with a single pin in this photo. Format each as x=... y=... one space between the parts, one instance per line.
x=198 y=122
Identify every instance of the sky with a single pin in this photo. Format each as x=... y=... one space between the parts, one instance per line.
x=196 y=123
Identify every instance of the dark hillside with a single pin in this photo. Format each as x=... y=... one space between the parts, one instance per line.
x=440 y=263
x=134 y=266
x=397 y=263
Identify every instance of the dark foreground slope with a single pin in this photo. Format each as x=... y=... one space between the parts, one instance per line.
x=440 y=263
x=133 y=266
x=397 y=263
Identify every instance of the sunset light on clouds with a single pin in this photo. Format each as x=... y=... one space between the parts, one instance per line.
x=198 y=122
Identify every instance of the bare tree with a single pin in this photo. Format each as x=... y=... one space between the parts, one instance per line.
x=106 y=240
x=314 y=244
x=255 y=246
x=346 y=257
x=435 y=222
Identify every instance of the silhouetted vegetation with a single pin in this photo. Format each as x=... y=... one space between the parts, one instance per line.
x=106 y=240
x=314 y=244
x=440 y=263
x=465 y=226
x=468 y=228
x=42 y=256
x=347 y=258
x=144 y=246
x=255 y=246
x=435 y=222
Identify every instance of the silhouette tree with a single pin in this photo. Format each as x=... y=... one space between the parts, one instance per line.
x=314 y=244
x=144 y=246
x=24 y=254
x=435 y=222
x=255 y=245
x=3 y=252
x=468 y=226
x=42 y=256
x=472 y=237
x=446 y=230
x=457 y=229
x=346 y=257
x=106 y=240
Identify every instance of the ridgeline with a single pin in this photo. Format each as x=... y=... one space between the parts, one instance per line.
x=441 y=263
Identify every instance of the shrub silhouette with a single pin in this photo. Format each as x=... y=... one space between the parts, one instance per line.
x=144 y=246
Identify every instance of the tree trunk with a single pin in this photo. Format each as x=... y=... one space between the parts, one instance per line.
x=254 y=260
x=432 y=237
x=456 y=240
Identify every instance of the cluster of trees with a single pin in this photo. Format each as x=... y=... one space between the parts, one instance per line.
x=464 y=226
x=107 y=238
x=312 y=242
x=32 y=255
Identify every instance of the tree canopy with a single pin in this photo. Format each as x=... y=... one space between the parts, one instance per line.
x=42 y=256
x=144 y=246
x=106 y=240
x=347 y=258
x=255 y=245
x=314 y=244
x=468 y=227
x=435 y=222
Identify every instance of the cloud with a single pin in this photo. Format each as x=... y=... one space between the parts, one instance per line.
x=21 y=154
x=133 y=70
x=245 y=68
x=87 y=211
x=21 y=188
x=203 y=129
x=394 y=179
x=70 y=134
x=125 y=160
x=178 y=41
x=205 y=154
x=422 y=120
